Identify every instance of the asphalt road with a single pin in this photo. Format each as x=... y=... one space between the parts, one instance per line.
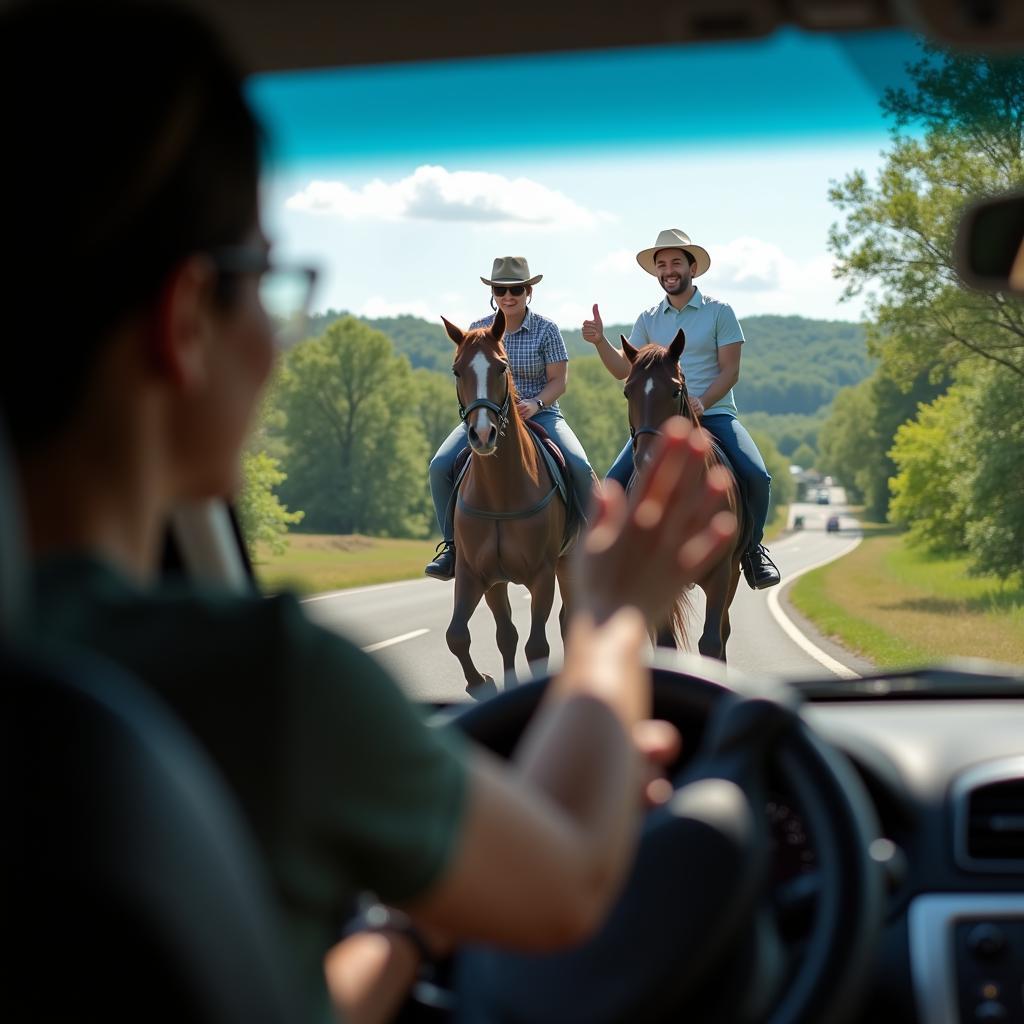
x=403 y=624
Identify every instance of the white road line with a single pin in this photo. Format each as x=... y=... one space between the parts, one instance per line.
x=789 y=627
x=330 y=594
x=395 y=640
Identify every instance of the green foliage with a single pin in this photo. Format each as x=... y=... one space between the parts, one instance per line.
x=788 y=432
x=956 y=494
x=264 y=520
x=931 y=454
x=897 y=239
x=804 y=457
x=354 y=431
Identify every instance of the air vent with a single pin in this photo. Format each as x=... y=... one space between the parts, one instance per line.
x=995 y=821
x=988 y=813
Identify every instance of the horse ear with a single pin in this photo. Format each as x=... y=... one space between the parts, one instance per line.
x=498 y=327
x=453 y=332
x=675 y=350
x=630 y=352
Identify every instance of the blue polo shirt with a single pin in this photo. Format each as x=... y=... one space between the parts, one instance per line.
x=708 y=325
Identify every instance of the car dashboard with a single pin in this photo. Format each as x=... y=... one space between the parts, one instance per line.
x=941 y=754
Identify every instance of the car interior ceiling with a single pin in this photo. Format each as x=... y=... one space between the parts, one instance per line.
x=270 y=36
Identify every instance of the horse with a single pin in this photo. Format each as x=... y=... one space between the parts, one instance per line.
x=510 y=524
x=655 y=389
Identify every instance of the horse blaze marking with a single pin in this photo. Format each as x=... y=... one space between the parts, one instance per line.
x=478 y=365
x=649 y=386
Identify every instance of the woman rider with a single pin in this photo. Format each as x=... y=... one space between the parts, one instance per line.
x=539 y=361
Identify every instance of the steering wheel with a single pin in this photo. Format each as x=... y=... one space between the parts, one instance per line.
x=694 y=935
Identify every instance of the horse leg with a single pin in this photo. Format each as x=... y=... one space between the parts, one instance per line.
x=505 y=630
x=468 y=591
x=542 y=594
x=726 y=618
x=718 y=588
x=563 y=572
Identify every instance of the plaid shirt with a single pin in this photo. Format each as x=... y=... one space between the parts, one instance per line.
x=530 y=349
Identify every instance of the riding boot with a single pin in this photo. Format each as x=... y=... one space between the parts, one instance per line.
x=759 y=570
x=443 y=565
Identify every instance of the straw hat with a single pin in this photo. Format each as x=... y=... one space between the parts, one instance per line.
x=511 y=270
x=673 y=238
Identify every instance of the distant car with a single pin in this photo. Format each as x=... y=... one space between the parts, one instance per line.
x=832 y=525
x=823 y=497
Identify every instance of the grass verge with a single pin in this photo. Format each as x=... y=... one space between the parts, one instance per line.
x=314 y=562
x=898 y=606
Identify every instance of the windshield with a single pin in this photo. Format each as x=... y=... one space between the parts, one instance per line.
x=822 y=175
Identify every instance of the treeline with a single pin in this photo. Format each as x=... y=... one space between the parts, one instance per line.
x=791 y=364
x=934 y=439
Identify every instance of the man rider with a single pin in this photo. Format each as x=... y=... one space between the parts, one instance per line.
x=711 y=365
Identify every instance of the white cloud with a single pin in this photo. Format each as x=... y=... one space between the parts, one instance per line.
x=433 y=193
x=749 y=264
x=618 y=261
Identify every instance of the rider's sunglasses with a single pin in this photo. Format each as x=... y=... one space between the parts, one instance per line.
x=500 y=289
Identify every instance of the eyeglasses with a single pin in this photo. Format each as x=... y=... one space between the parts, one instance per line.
x=285 y=290
x=515 y=289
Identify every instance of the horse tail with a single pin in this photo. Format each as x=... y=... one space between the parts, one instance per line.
x=679 y=616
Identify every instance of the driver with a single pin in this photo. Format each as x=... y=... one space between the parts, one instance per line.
x=135 y=392
x=711 y=363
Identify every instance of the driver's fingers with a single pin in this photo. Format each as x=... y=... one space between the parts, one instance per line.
x=672 y=478
x=701 y=552
x=657 y=740
x=609 y=513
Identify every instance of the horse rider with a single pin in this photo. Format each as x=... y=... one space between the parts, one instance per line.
x=711 y=365
x=539 y=363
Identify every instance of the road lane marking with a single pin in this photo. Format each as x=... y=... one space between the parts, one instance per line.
x=395 y=640
x=788 y=627
x=359 y=590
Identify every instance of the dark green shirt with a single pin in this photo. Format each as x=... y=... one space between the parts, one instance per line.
x=344 y=785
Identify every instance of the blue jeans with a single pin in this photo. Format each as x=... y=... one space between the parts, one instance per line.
x=742 y=452
x=442 y=465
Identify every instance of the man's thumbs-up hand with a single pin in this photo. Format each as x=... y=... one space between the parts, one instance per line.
x=593 y=330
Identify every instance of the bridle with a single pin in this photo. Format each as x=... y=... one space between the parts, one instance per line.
x=501 y=411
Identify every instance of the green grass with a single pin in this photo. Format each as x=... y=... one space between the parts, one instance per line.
x=314 y=563
x=897 y=606
x=773 y=529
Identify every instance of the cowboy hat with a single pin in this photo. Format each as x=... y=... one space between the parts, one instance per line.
x=511 y=270
x=673 y=238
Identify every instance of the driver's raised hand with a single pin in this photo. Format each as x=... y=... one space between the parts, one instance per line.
x=639 y=552
x=593 y=330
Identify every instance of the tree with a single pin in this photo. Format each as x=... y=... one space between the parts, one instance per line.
x=931 y=454
x=264 y=520
x=898 y=235
x=804 y=456
x=357 y=454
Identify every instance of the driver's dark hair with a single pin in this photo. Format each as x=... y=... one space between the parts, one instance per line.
x=128 y=147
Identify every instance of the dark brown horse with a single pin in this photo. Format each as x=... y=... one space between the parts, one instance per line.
x=510 y=523
x=655 y=390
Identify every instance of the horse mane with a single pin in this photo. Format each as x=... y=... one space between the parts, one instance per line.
x=650 y=355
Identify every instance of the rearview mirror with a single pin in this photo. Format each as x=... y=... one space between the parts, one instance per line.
x=990 y=244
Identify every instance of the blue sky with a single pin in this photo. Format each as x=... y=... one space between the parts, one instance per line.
x=403 y=183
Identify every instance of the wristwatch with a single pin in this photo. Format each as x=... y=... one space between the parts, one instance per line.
x=540 y=403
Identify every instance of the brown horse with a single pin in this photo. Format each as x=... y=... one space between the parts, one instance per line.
x=655 y=390
x=510 y=524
